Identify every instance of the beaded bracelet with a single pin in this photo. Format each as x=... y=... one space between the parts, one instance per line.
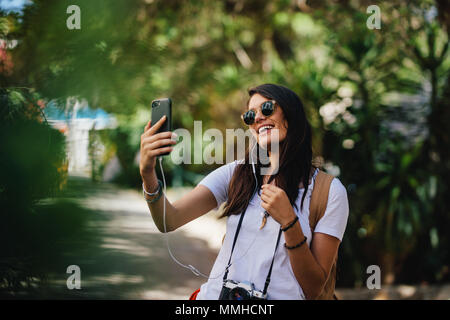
x=290 y=224
x=158 y=191
x=296 y=246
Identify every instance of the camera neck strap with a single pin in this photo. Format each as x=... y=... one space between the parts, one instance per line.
x=234 y=243
x=266 y=285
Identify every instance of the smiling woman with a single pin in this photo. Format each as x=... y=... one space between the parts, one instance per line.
x=255 y=262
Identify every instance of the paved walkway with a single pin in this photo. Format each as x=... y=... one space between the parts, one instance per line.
x=130 y=259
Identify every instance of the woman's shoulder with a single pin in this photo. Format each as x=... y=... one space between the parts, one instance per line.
x=337 y=195
x=217 y=181
x=225 y=171
x=337 y=189
x=232 y=165
x=336 y=186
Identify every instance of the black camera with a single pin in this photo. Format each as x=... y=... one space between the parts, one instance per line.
x=155 y=104
x=232 y=290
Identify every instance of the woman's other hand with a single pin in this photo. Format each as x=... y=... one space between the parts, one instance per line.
x=276 y=202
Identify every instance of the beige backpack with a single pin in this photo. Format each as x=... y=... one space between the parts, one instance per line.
x=317 y=207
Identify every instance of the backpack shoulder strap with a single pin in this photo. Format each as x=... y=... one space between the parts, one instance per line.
x=319 y=198
x=317 y=207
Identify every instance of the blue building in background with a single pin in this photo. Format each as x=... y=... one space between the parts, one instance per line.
x=76 y=120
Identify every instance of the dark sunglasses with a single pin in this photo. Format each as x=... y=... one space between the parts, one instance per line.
x=267 y=108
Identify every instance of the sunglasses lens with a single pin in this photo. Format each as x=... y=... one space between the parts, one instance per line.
x=249 y=117
x=267 y=108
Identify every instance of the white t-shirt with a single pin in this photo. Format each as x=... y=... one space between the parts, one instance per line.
x=254 y=248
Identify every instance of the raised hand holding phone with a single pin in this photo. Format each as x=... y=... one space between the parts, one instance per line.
x=154 y=144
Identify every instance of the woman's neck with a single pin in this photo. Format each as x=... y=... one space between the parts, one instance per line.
x=274 y=164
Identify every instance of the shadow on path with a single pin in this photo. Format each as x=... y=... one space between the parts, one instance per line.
x=127 y=257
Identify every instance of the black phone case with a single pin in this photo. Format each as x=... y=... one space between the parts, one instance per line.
x=160 y=108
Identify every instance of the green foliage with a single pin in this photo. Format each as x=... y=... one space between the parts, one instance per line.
x=392 y=180
x=33 y=236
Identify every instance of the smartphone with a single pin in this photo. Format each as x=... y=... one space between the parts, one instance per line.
x=160 y=108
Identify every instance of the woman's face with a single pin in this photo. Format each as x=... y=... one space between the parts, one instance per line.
x=263 y=125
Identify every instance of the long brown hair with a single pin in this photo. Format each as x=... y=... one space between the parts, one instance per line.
x=295 y=158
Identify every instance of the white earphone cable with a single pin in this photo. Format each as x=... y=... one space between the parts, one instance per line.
x=193 y=269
